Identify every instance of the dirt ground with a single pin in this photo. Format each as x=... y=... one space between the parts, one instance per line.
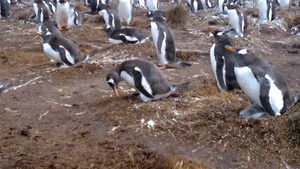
x=69 y=117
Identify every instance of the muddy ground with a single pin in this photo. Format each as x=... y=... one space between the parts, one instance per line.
x=69 y=117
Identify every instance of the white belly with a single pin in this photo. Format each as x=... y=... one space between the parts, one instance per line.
x=62 y=14
x=129 y=79
x=234 y=21
x=125 y=9
x=52 y=54
x=248 y=83
x=263 y=9
x=220 y=3
x=152 y=5
x=160 y=51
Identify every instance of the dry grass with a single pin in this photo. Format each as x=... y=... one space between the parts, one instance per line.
x=178 y=16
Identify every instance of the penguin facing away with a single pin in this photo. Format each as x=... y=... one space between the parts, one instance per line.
x=222 y=62
x=5 y=8
x=295 y=30
x=146 y=77
x=125 y=10
x=62 y=50
x=163 y=39
x=263 y=84
x=237 y=19
x=267 y=9
x=125 y=35
x=110 y=15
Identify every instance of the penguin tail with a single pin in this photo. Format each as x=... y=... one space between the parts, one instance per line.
x=180 y=86
x=91 y=54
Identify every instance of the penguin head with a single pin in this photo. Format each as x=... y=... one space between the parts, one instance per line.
x=231 y=5
x=62 y=1
x=295 y=30
x=156 y=15
x=221 y=37
x=113 y=79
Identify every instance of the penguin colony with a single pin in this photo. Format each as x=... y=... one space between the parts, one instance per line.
x=234 y=68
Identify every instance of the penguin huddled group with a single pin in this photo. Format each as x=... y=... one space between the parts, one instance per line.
x=234 y=68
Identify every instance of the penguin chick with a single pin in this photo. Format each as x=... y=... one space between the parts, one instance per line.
x=125 y=10
x=237 y=19
x=263 y=84
x=163 y=39
x=62 y=50
x=125 y=35
x=222 y=61
x=146 y=77
x=110 y=15
x=295 y=30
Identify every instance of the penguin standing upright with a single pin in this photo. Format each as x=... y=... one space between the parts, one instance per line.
x=237 y=19
x=152 y=5
x=125 y=10
x=62 y=50
x=146 y=77
x=163 y=39
x=284 y=3
x=110 y=15
x=66 y=16
x=125 y=35
x=5 y=8
x=222 y=62
x=195 y=5
x=266 y=9
x=206 y=4
x=263 y=84
x=41 y=12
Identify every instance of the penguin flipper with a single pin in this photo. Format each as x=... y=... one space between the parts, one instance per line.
x=264 y=96
x=138 y=81
x=128 y=39
x=65 y=56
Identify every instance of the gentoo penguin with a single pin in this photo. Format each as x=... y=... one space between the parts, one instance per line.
x=267 y=9
x=284 y=3
x=125 y=10
x=41 y=12
x=125 y=35
x=222 y=62
x=110 y=15
x=295 y=30
x=195 y=5
x=206 y=4
x=152 y=5
x=237 y=19
x=62 y=50
x=66 y=16
x=5 y=8
x=163 y=39
x=94 y=5
x=263 y=84
x=50 y=26
x=146 y=77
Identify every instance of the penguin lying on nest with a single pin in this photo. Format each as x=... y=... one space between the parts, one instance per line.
x=263 y=84
x=146 y=77
x=295 y=30
x=125 y=35
x=62 y=50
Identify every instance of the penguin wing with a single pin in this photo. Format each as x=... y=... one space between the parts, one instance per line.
x=264 y=96
x=220 y=72
x=65 y=56
x=141 y=83
x=128 y=39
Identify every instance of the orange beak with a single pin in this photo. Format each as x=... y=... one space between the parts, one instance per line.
x=39 y=33
x=116 y=91
x=101 y=29
x=225 y=4
x=229 y=48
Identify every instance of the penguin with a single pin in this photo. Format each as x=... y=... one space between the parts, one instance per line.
x=266 y=9
x=195 y=5
x=206 y=4
x=140 y=4
x=5 y=8
x=110 y=15
x=237 y=19
x=87 y=2
x=295 y=30
x=284 y=3
x=125 y=35
x=163 y=39
x=152 y=5
x=263 y=84
x=50 y=26
x=41 y=12
x=125 y=10
x=222 y=62
x=62 y=50
x=94 y=5
x=146 y=77
x=66 y=16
